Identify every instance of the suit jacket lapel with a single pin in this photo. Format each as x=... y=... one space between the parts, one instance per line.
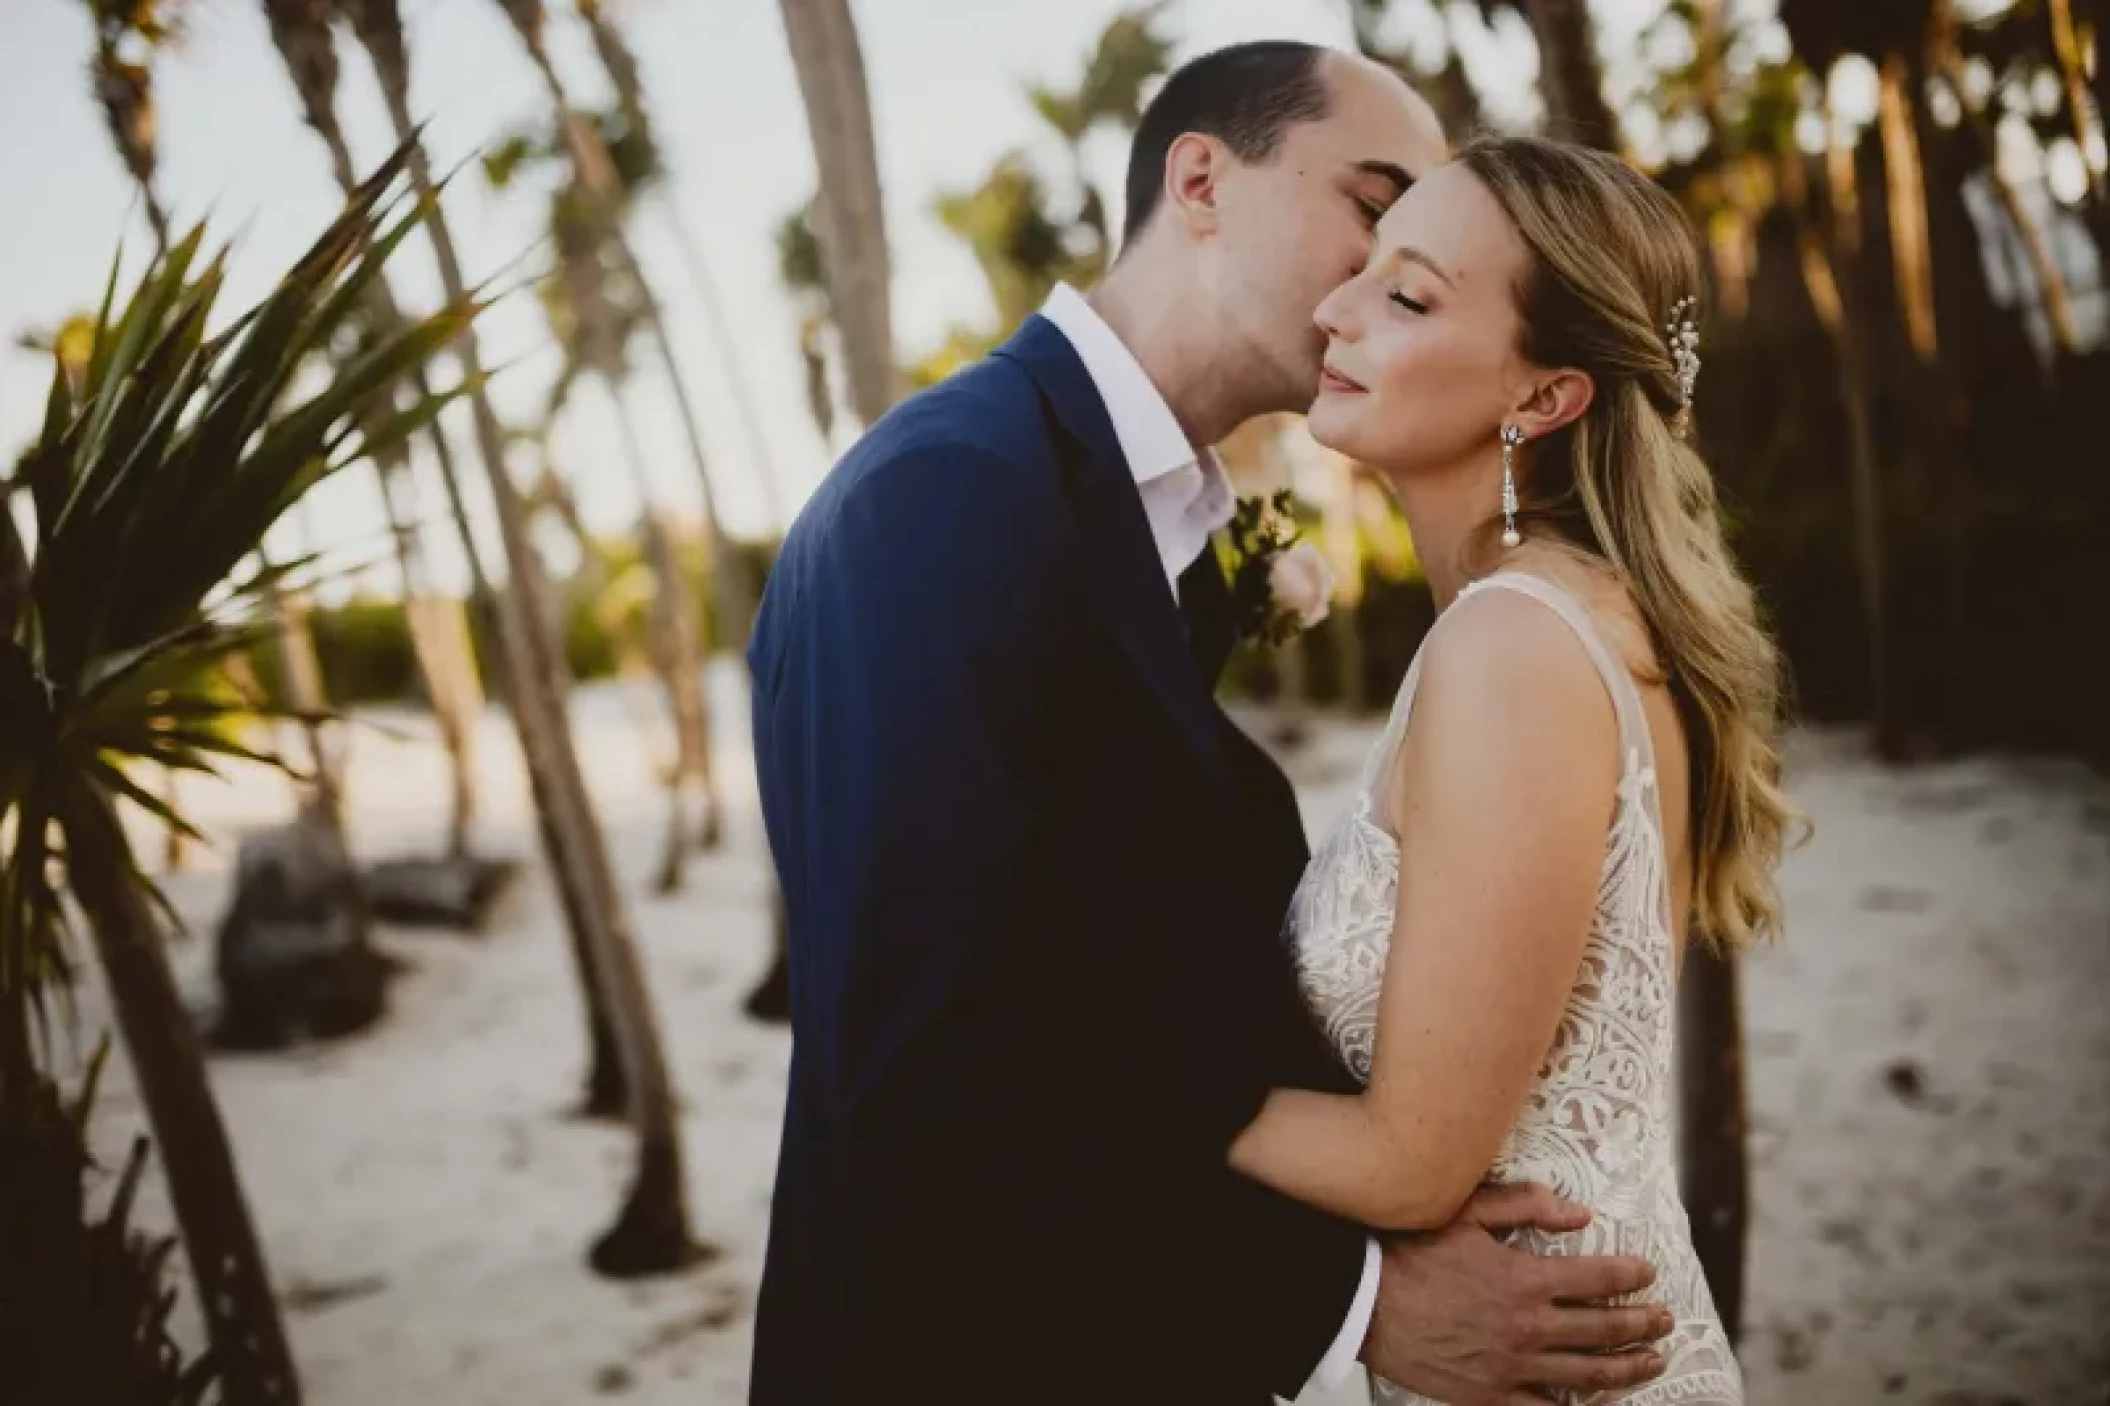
x=1212 y=626
x=1128 y=576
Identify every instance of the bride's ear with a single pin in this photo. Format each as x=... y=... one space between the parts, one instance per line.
x=1559 y=399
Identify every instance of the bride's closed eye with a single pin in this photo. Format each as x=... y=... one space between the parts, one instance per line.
x=1410 y=304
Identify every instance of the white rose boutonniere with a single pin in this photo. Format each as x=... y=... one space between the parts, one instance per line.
x=1301 y=582
x=1280 y=586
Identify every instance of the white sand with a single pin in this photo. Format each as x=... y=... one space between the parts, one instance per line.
x=426 y=1204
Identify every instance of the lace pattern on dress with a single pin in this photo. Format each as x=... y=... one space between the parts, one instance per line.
x=1596 y=1126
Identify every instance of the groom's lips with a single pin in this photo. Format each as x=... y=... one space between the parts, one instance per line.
x=1332 y=380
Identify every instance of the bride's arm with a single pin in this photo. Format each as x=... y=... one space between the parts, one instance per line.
x=1502 y=797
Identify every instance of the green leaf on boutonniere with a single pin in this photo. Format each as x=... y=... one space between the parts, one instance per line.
x=1260 y=531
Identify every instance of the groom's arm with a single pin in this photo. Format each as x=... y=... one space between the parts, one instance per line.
x=934 y=628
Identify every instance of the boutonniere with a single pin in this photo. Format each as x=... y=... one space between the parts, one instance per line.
x=1280 y=586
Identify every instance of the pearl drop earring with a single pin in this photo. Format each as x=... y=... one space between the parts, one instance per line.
x=1511 y=438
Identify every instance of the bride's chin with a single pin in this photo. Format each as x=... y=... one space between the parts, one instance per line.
x=1331 y=426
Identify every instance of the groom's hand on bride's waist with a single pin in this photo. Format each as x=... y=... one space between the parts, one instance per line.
x=1463 y=1318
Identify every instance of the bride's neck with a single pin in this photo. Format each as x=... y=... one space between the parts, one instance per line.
x=1446 y=512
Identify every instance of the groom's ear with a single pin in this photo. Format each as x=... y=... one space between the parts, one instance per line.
x=1194 y=164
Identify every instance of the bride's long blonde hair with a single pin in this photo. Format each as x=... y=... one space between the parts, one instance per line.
x=1612 y=256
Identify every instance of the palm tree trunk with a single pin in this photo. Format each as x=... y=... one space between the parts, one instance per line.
x=596 y=173
x=733 y=358
x=1714 y=1163
x=2073 y=74
x=1824 y=275
x=1714 y=1155
x=226 y=1258
x=300 y=672
x=651 y=1234
x=671 y=628
x=2099 y=16
x=301 y=31
x=735 y=604
x=127 y=98
x=608 y=1084
x=625 y=76
x=2043 y=267
x=850 y=223
x=849 y=214
x=1570 y=73
x=446 y=662
x=1910 y=252
x=1963 y=304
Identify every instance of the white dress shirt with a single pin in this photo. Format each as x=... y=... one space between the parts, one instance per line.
x=1186 y=496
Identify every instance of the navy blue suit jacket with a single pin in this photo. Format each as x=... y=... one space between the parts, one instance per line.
x=1035 y=881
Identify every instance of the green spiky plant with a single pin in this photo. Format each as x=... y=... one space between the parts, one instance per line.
x=85 y=1310
x=161 y=463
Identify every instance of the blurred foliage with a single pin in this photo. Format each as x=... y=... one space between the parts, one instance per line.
x=364 y=643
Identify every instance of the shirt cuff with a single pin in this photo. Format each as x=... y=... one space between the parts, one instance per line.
x=1340 y=1359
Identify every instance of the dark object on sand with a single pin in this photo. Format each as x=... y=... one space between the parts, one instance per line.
x=455 y=892
x=292 y=953
x=770 y=1001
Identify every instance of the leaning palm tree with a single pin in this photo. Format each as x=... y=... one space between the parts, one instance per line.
x=589 y=318
x=626 y=76
x=873 y=378
x=651 y=1234
x=849 y=215
x=596 y=176
x=378 y=26
x=172 y=452
x=1946 y=59
x=124 y=89
x=594 y=310
x=300 y=30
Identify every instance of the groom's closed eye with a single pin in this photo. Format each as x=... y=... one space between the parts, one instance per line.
x=1376 y=186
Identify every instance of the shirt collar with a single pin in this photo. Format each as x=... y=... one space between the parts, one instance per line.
x=1151 y=438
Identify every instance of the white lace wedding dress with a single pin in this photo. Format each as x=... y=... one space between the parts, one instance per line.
x=1597 y=1126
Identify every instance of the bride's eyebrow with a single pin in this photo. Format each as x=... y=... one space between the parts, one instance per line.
x=1408 y=254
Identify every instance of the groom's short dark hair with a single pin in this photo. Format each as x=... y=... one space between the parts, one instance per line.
x=1247 y=96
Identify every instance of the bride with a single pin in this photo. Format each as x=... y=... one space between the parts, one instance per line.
x=1581 y=771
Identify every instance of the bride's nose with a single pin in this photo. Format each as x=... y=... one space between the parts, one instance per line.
x=1333 y=316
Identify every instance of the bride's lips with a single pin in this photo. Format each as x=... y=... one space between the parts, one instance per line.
x=1332 y=381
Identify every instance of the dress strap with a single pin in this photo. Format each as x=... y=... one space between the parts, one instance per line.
x=1380 y=760
x=1618 y=680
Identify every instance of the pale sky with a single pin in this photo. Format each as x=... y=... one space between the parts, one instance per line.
x=947 y=80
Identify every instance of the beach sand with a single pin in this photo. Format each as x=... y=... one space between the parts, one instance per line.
x=1929 y=1062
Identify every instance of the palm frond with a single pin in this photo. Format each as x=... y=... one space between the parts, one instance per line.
x=164 y=457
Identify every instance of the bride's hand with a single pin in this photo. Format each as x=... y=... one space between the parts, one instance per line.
x=1464 y=1319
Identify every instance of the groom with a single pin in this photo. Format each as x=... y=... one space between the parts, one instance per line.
x=1036 y=878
